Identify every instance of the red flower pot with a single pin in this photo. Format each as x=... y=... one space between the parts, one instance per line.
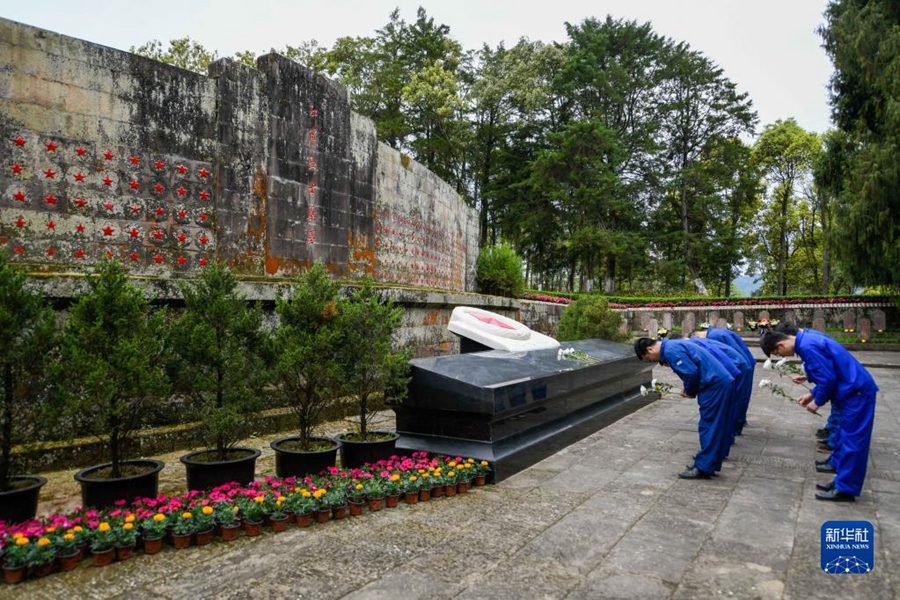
x=437 y=491
x=13 y=575
x=103 y=557
x=480 y=480
x=229 y=534
x=391 y=501
x=252 y=528
x=450 y=489
x=44 y=569
x=181 y=541
x=153 y=546
x=124 y=552
x=424 y=495
x=278 y=524
x=375 y=504
x=356 y=508
x=304 y=520
x=203 y=538
x=411 y=497
x=69 y=562
x=323 y=516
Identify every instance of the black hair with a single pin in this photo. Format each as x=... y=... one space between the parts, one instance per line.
x=641 y=345
x=770 y=340
x=786 y=328
x=675 y=336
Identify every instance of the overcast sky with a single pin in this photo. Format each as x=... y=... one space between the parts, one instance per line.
x=768 y=47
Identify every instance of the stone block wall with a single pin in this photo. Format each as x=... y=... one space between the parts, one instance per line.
x=106 y=154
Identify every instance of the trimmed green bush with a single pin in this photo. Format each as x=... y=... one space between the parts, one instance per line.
x=500 y=272
x=590 y=317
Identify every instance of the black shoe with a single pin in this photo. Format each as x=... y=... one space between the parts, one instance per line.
x=825 y=487
x=827 y=461
x=823 y=447
x=693 y=473
x=822 y=433
x=835 y=496
x=826 y=468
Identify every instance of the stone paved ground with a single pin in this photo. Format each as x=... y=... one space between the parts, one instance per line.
x=605 y=518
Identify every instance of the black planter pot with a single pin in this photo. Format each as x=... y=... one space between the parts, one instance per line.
x=356 y=454
x=101 y=493
x=296 y=463
x=206 y=475
x=21 y=503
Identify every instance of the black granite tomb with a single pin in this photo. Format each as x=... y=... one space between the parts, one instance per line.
x=515 y=408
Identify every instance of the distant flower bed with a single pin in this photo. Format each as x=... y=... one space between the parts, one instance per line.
x=39 y=546
x=624 y=302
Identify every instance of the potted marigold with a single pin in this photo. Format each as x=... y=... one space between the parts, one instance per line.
x=374 y=493
x=217 y=363
x=182 y=529
x=154 y=528
x=103 y=540
x=306 y=344
x=68 y=550
x=301 y=504
x=227 y=521
x=375 y=374
x=28 y=333
x=110 y=375
x=253 y=514
x=204 y=525
x=393 y=487
x=126 y=539
x=356 y=494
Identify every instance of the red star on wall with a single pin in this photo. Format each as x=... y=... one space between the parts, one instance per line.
x=80 y=151
x=51 y=146
x=158 y=188
x=203 y=262
x=107 y=230
x=204 y=239
x=182 y=191
x=80 y=202
x=204 y=195
x=204 y=173
x=20 y=222
x=158 y=259
x=49 y=173
x=135 y=232
x=133 y=184
x=109 y=205
x=181 y=169
x=51 y=199
x=107 y=180
x=160 y=211
x=108 y=155
x=182 y=237
x=51 y=251
x=204 y=216
x=16 y=168
x=19 y=250
x=79 y=253
x=158 y=234
x=182 y=261
x=79 y=228
x=79 y=176
x=133 y=256
x=19 y=196
x=51 y=224
x=135 y=209
x=134 y=160
x=19 y=141
x=160 y=165
x=182 y=214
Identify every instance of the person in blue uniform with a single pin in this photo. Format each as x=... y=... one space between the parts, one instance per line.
x=736 y=342
x=705 y=378
x=736 y=366
x=840 y=378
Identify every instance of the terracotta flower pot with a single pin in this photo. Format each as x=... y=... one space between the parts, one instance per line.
x=392 y=500
x=480 y=480
x=357 y=508
x=375 y=504
x=44 y=569
x=278 y=524
x=437 y=491
x=411 y=497
x=462 y=487
x=252 y=528
x=181 y=541
x=70 y=561
x=153 y=546
x=323 y=516
x=103 y=557
x=203 y=538
x=424 y=495
x=229 y=534
x=450 y=489
x=124 y=552
x=304 y=520
x=340 y=512
x=13 y=575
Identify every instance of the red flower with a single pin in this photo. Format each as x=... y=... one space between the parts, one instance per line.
x=182 y=260
x=204 y=239
x=182 y=237
x=182 y=213
x=20 y=196
x=203 y=262
x=108 y=155
x=133 y=256
x=134 y=184
x=204 y=195
x=135 y=209
x=204 y=173
x=16 y=168
x=158 y=188
x=51 y=146
x=182 y=191
x=51 y=199
x=80 y=202
x=20 y=222
x=134 y=160
x=107 y=180
x=49 y=173
x=19 y=141
x=203 y=216
x=181 y=169
x=19 y=250
x=135 y=232
x=160 y=211
x=79 y=176
x=107 y=230
x=160 y=165
x=108 y=205
x=79 y=228
x=51 y=224
x=158 y=234
x=158 y=259
x=79 y=253
x=51 y=251
x=80 y=151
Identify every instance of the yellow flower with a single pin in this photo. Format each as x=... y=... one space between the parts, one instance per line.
x=129 y=519
x=104 y=527
x=77 y=529
x=259 y=499
x=471 y=460
x=425 y=476
x=158 y=517
x=44 y=542
x=50 y=529
x=452 y=463
x=187 y=515
x=69 y=537
x=297 y=490
x=207 y=510
x=484 y=463
x=128 y=526
x=17 y=535
x=421 y=471
x=236 y=509
x=319 y=493
x=395 y=477
x=359 y=486
x=21 y=541
x=305 y=493
x=413 y=478
x=451 y=474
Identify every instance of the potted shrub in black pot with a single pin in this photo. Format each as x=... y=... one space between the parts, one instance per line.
x=110 y=377
x=216 y=362
x=375 y=373
x=307 y=374
x=28 y=332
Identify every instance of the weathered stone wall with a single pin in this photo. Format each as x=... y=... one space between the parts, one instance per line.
x=106 y=154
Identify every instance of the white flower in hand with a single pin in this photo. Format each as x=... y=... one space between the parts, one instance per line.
x=764 y=383
x=653 y=383
x=768 y=364
x=781 y=362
